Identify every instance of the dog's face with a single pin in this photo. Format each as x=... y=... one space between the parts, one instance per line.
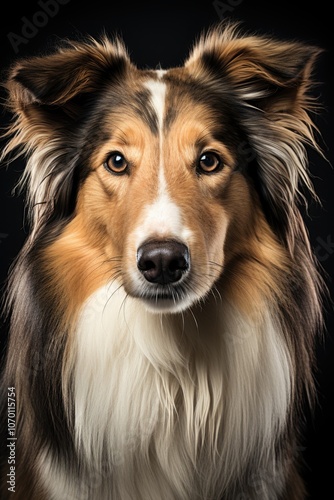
x=164 y=187
x=174 y=169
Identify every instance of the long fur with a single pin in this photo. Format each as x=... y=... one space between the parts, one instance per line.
x=203 y=400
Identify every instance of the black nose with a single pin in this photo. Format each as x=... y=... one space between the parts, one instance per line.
x=163 y=261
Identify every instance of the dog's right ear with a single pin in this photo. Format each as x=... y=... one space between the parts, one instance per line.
x=54 y=81
x=49 y=97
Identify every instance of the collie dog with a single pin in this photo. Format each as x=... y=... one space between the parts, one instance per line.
x=165 y=305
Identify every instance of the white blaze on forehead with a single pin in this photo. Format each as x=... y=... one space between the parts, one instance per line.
x=158 y=97
x=160 y=72
x=163 y=217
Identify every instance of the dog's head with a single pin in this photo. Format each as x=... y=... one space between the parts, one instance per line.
x=170 y=173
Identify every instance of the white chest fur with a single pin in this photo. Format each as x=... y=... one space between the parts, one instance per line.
x=173 y=407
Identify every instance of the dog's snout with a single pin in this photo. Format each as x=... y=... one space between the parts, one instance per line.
x=163 y=262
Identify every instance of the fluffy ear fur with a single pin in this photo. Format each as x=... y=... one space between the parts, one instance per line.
x=271 y=80
x=74 y=69
x=50 y=98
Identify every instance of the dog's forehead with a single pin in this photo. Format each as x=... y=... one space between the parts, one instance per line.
x=161 y=99
x=173 y=94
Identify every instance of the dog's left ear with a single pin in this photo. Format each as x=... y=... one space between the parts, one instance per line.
x=272 y=74
x=268 y=82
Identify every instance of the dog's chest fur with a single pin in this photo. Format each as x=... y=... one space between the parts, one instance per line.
x=186 y=425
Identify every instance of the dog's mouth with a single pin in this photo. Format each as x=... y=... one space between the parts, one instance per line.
x=169 y=299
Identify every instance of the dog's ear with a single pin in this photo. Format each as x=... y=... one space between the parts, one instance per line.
x=53 y=82
x=50 y=97
x=54 y=88
x=268 y=83
x=273 y=75
x=49 y=94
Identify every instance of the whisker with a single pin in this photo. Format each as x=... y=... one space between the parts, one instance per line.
x=195 y=319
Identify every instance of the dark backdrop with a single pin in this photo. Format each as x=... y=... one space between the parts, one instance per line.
x=161 y=32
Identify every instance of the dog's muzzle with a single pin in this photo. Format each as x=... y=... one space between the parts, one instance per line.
x=163 y=262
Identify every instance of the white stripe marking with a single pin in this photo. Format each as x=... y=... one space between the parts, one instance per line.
x=158 y=96
x=163 y=217
x=160 y=72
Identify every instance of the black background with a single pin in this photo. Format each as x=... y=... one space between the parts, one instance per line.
x=162 y=33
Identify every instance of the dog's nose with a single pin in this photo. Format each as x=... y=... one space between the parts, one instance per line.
x=163 y=261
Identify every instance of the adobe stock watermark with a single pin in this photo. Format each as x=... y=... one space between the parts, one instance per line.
x=226 y=7
x=325 y=248
x=260 y=482
x=11 y=439
x=30 y=27
x=3 y=236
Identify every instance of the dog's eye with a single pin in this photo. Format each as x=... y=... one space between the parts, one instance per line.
x=116 y=164
x=209 y=163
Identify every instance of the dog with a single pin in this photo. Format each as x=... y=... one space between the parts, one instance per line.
x=165 y=306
